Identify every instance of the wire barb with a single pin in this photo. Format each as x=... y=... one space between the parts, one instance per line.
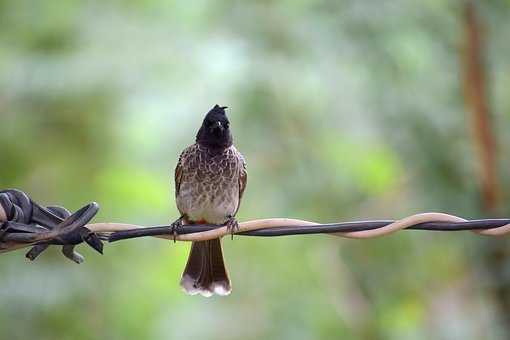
x=25 y=223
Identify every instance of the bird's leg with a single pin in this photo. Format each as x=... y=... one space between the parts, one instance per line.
x=175 y=226
x=232 y=225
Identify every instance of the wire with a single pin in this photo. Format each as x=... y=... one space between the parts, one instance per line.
x=285 y=227
x=24 y=223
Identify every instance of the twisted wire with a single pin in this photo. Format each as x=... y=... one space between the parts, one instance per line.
x=24 y=223
x=285 y=226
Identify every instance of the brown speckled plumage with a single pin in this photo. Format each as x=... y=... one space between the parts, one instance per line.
x=210 y=179
x=209 y=186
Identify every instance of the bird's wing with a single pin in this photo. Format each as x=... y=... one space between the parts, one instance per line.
x=243 y=181
x=178 y=173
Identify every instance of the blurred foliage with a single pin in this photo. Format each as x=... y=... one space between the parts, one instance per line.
x=344 y=110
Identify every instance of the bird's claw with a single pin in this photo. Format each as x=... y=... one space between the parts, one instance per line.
x=232 y=226
x=174 y=227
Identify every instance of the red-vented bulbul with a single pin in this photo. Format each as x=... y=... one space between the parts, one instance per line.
x=210 y=179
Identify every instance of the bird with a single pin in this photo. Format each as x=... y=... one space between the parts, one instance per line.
x=210 y=179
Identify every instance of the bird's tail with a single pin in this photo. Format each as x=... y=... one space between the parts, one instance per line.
x=205 y=272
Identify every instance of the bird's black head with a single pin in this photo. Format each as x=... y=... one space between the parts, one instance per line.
x=215 y=130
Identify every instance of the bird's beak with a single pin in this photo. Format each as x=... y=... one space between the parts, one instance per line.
x=217 y=126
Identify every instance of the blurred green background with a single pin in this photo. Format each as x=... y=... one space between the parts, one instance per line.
x=344 y=110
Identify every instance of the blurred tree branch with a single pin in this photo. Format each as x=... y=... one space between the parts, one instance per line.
x=476 y=100
x=494 y=256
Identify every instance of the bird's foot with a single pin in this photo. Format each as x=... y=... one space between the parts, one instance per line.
x=232 y=226
x=174 y=227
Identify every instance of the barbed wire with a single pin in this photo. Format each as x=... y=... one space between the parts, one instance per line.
x=24 y=223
